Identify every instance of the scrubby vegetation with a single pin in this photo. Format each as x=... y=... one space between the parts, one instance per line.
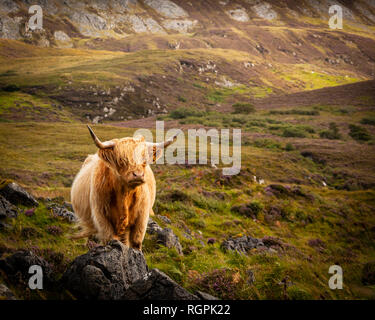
x=201 y=204
x=243 y=108
x=332 y=133
x=307 y=181
x=359 y=133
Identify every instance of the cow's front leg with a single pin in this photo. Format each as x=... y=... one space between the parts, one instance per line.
x=138 y=231
x=103 y=226
x=123 y=230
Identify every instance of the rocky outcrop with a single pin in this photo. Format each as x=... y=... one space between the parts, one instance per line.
x=165 y=236
x=182 y=26
x=116 y=272
x=7 y=210
x=62 y=39
x=167 y=9
x=10 y=27
x=243 y=244
x=105 y=272
x=239 y=15
x=156 y=285
x=265 y=11
x=16 y=267
x=17 y=195
x=63 y=212
x=247 y=243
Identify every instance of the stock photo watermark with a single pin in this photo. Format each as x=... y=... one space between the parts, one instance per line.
x=36 y=280
x=336 y=20
x=215 y=144
x=336 y=281
x=36 y=20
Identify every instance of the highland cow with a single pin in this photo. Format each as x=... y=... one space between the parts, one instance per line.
x=114 y=192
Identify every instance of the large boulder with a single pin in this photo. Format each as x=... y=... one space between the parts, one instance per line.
x=17 y=195
x=167 y=8
x=9 y=27
x=16 y=267
x=157 y=286
x=7 y=210
x=105 y=272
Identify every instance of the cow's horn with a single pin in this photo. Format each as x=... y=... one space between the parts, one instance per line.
x=99 y=144
x=163 y=144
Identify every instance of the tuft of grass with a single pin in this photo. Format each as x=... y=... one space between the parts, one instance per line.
x=243 y=108
x=359 y=133
x=332 y=134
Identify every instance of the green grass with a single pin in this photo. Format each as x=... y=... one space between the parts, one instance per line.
x=339 y=218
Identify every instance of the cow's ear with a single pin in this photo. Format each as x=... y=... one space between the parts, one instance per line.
x=154 y=153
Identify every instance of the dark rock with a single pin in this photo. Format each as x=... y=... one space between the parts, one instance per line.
x=5 y=293
x=205 y=296
x=164 y=236
x=7 y=210
x=68 y=206
x=17 y=266
x=105 y=272
x=169 y=239
x=165 y=219
x=247 y=243
x=153 y=227
x=242 y=244
x=368 y=273
x=17 y=195
x=157 y=286
x=62 y=212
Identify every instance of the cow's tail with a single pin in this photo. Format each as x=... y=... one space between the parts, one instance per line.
x=83 y=234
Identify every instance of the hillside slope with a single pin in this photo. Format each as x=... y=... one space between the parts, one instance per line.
x=242 y=49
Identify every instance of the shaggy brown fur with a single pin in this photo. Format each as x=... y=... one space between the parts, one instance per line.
x=114 y=191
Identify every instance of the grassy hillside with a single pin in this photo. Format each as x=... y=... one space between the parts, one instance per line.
x=302 y=94
x=199 y=201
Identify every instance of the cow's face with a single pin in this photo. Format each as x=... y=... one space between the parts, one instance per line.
x=130 y=160
x=129 y=157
